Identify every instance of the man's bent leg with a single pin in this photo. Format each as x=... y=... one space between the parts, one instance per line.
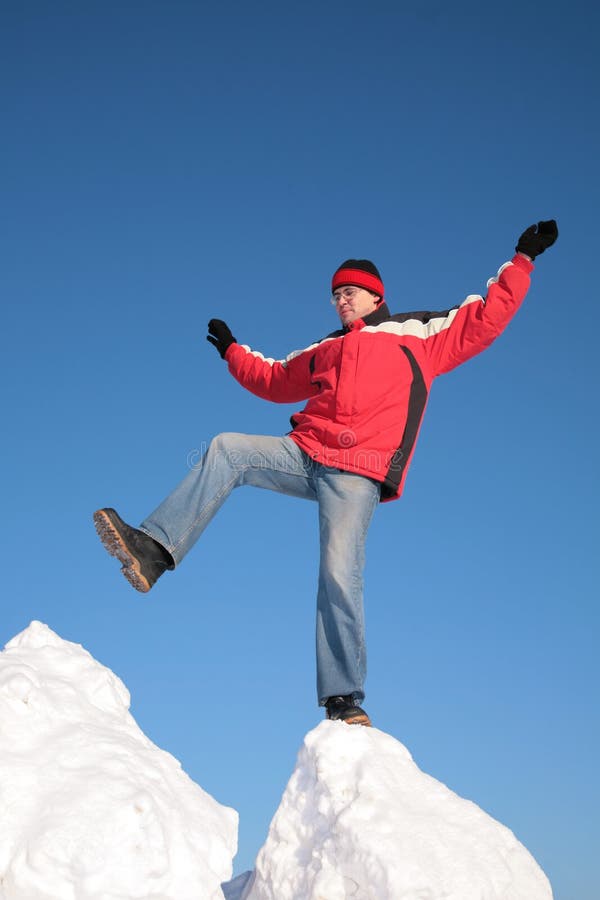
x=346 y=505
x=274 y=463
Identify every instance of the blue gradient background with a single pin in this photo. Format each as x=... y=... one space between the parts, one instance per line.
x=164 y=163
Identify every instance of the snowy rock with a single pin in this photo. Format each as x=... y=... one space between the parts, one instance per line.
x=90 y=808
x=359 y=820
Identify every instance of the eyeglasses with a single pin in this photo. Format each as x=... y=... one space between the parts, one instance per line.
x=347 y=293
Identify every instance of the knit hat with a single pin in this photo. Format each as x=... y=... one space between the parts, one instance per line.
x=360 y=272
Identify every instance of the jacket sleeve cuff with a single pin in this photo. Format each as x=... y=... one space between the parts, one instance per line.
x=522 y=262
x=228 y=351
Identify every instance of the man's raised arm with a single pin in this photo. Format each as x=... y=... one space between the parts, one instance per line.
x=282 y=381
x=471 y=327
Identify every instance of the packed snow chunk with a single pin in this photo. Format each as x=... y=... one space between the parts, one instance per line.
x=90 y=808
x=359 y=820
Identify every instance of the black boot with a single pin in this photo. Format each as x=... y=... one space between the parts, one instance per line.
x=346 y=709
x=144 y=559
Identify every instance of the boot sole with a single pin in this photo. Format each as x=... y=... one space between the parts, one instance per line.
x=117 y=547
x=358 y=720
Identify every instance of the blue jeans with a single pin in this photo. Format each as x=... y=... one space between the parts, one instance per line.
x=346 y=504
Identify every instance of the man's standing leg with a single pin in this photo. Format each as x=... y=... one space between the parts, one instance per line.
x=346 y=505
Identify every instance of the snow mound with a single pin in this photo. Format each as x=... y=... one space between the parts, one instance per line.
x=90 y=808
x=359 y=820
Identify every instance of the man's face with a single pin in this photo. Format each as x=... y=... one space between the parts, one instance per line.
x=353 y=303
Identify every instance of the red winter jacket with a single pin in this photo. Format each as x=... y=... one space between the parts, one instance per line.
x=367 y=384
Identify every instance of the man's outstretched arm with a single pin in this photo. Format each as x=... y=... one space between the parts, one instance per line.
x=282 y=381
x=471 y=327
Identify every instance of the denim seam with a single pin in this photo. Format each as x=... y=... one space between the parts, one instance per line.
x=361 y=657
x=201 y=514
x=224 y=490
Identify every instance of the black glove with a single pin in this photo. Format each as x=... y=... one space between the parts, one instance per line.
x=537 y=238
x=220 y=335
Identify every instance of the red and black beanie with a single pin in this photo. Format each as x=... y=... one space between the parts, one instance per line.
x=360 y=272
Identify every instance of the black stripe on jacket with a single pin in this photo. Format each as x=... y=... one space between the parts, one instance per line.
x=416 y=407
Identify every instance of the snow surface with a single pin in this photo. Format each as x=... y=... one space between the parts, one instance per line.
x=91 y=809
x=358 y=819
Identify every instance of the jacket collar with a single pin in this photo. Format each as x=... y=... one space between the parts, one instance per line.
x=374 y=318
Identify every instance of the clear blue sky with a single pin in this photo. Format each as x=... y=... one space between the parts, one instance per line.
x=164 y=163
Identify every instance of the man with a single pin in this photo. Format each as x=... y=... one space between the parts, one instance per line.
x=349 y=449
